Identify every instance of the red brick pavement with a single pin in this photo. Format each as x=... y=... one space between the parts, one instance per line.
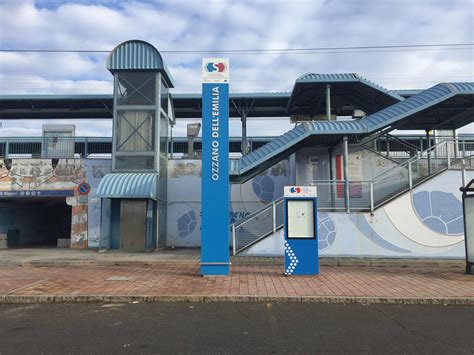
x=256 y=280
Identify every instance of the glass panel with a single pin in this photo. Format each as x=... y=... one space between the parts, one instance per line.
x=136 y=89
x=134 y=163
x=135 y=131
x=164 y=97
x=171 y=110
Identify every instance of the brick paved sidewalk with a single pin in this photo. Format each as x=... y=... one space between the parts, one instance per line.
x=159 y=282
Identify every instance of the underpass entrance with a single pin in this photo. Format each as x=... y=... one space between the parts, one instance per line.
x=35 y=221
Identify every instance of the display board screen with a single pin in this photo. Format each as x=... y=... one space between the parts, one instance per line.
x=469 y=221
x=300 y=222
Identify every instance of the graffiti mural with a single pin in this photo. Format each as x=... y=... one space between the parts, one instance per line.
x=264 y=188
x=440 y=211
x=326 y=231
x=186 y=224
x=184 y=198
x=95 y=171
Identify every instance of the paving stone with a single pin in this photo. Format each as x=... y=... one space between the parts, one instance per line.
x=247 y=283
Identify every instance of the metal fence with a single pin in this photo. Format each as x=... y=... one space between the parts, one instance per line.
x=55 y=147
x=402 y=147
x=178 y=146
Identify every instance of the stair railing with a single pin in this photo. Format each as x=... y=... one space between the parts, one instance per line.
x=363 y=195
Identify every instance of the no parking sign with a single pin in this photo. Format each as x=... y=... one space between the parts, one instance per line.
x=84 y=188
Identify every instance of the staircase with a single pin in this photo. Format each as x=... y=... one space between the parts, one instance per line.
x=363 y=195
x=331 y=132
x=391 y=147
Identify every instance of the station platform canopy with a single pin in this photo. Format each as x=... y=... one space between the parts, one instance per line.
x=101 y=106
x=348 y=91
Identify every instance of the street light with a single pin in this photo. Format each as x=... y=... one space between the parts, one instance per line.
x=193 y=131
x=468 y=213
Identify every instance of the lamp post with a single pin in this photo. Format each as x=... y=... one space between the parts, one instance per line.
x=468 y=214
x=193 y=131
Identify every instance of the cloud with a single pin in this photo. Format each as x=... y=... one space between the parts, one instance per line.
x=233 y=24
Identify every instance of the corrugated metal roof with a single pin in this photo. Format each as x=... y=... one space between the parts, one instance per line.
x=128 y=185
x=137 y=55
x=343 y=77
x=324 y=77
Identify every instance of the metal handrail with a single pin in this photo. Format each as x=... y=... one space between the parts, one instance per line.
x=270 y=206
x=417 y=157
x=257 y=212
x=402 y=142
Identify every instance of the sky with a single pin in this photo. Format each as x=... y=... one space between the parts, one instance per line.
x=230 y=24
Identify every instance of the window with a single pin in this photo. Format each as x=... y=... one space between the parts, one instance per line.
x=136 y=88
x=128 y=163
x=135 y=131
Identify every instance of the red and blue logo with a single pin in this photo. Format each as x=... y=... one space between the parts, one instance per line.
x=295 y=190
x=217 y=67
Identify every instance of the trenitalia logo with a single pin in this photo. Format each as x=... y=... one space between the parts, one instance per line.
x=218 y=67
x=295 y=190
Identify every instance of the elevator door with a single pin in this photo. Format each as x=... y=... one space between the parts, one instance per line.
x=133 y=225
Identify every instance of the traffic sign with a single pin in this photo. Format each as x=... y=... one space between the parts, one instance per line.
x=84 y=188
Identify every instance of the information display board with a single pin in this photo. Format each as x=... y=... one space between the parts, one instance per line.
x=301 y=218
x=301 y=238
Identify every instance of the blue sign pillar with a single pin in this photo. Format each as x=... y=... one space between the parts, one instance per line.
x=301 y=230
x=215 y=168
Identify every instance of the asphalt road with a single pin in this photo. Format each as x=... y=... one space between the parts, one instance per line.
x=168 y=328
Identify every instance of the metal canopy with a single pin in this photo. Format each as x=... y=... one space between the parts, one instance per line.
x=452 y=111
x=348 y=91
x=14 y=107
x=100 y=106
x=262 y=104
x=128 y=185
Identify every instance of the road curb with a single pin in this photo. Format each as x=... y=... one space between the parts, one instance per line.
x=395 y=263
x=19 y=299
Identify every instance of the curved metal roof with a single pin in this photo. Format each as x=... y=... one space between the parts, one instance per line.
x=137 y=55
x=128 y=185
